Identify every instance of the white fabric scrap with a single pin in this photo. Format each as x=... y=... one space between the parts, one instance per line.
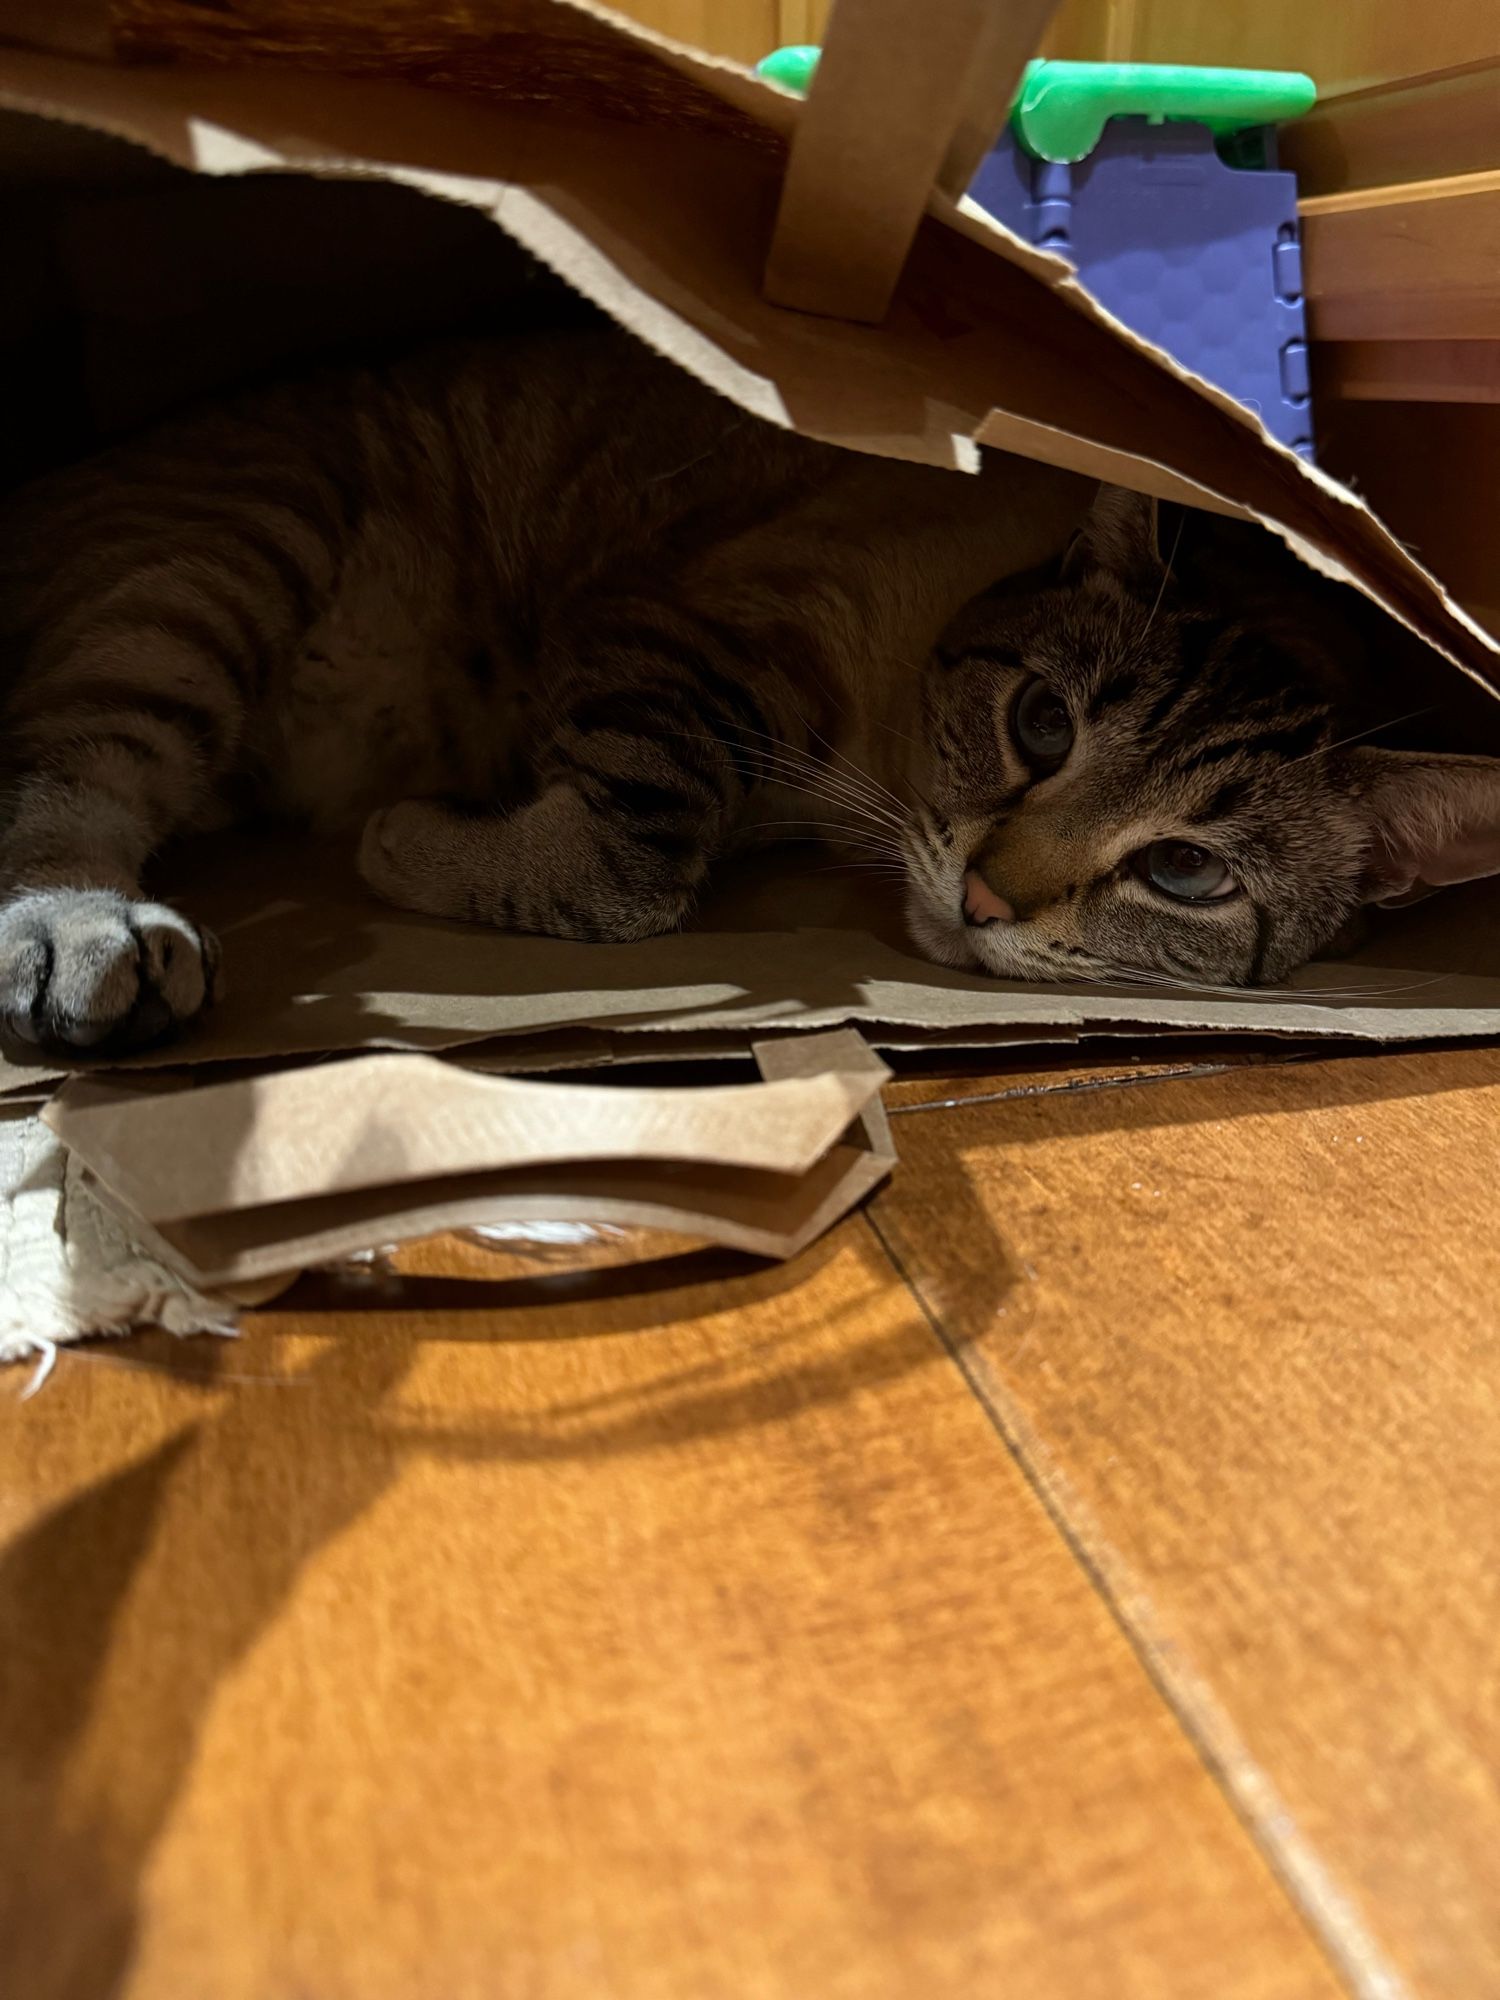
x=68 y=1267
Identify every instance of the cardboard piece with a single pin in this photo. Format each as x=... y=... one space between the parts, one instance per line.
x=249 y=1180
x=314 y=965
x=150 y=257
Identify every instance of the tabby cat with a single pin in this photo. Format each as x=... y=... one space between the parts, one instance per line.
x=558 y=628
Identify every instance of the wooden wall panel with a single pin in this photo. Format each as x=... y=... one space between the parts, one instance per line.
x=744 y=29
x=1431 y=471
x=1346 y=46
x=1403 y=131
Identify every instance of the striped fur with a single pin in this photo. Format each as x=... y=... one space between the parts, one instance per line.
x=556 y=628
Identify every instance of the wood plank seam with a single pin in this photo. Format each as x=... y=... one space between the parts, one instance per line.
x=1392 y=86
x=1324 y=1905
x=1404 y=194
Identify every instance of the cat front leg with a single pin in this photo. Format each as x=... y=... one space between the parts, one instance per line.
x=162 y=588
x=657 y=730
x=558 y=867
x=87 y=960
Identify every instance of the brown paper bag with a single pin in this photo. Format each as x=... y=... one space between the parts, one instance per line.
x=247 y=1180
x=144 y=151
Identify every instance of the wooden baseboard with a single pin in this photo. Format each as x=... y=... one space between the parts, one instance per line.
x=1407 y=371
x=1412 y=129
x=1419 y=261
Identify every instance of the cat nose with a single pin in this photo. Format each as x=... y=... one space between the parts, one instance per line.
x=981 y=904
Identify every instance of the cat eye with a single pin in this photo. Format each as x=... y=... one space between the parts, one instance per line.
x=1042 y=726
x=1183 y=870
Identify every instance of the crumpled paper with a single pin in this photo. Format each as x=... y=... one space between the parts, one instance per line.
x=68 y=1267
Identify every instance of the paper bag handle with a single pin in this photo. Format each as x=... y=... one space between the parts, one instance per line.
x=905 y=99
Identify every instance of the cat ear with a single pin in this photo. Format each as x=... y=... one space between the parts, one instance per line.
x=1117 y=543
x=1435 y=821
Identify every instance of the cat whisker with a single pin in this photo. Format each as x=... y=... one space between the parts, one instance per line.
x=783 y=756
x=830 y=785
x=827 y=830
x=913 y=666
x=867 y=778
x=878 y=829
x=1166 y=576
x=823 y=829
x=1359 y=736
x=849 y=800
x=867 y=868
x=1140 y=976
x=879 y=722
x=856 y=773
x=854 y=780
x=851 y=825
x=676 y=471
x=1364 y=991
x=783 y=765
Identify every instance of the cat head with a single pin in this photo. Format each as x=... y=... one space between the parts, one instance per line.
x=1126 y=783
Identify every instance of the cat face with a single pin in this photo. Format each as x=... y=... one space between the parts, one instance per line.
x=1122 y=785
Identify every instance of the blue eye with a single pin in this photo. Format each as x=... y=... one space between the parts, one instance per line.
x=1184 y=871
x=1042 y=726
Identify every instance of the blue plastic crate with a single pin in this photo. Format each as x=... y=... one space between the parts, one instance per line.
x=1200 y=257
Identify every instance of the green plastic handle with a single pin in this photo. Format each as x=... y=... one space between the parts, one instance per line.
x=1061 y=108
x=791 y=67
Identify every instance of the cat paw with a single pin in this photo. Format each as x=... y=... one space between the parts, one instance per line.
x=89 y=968
x=541 y=869
x=411 y=855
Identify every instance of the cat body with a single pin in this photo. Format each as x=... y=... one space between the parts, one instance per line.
x=589 y=605
x=549 y=628
x=392 y=569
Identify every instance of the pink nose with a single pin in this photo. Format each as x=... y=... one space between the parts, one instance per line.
x=982 y=905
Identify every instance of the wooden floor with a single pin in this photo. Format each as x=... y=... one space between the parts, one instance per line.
x=1077 y=1576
